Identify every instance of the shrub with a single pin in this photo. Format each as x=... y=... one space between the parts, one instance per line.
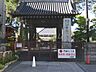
x=7 y=59
x=1 y=66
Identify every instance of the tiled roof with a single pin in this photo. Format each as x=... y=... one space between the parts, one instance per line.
x=45 y=8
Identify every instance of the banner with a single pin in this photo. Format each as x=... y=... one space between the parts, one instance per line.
x=19 y=45
x=66 y=53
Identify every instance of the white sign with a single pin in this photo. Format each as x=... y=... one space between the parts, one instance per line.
x=66 y=33
x=66 y=53
x=19 y=45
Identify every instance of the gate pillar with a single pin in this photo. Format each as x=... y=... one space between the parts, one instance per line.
x=32 y=37
x=59 y=35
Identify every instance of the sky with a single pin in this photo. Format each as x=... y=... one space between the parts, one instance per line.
x=82 y=10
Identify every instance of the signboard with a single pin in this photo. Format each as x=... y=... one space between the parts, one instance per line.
x=19 y=45
x=67 y=30
x=66 y=33
x=66 y=53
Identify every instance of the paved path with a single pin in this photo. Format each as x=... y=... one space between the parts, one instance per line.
x=87 y=67
x=25 y=66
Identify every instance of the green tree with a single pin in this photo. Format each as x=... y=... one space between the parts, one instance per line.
x=11 y=6
x=80 y=33
x=93 y=27
x=94 y=8
x=93 y=30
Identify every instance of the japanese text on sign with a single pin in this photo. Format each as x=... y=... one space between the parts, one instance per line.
x=66 y=53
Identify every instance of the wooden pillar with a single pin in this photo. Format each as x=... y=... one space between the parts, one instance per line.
x=21 y=28
x=59 y=35
x=32 y=36
x=27 y=33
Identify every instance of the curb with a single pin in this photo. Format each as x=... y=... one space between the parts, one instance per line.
x=7 y=64
x=81 y=67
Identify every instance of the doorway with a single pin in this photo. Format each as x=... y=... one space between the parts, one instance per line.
x=46 y=38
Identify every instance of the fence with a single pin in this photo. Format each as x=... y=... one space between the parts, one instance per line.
x=5 y=54
x=90 y=49
x=48 y=50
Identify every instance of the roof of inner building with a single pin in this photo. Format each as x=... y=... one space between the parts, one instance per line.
x=44 y=0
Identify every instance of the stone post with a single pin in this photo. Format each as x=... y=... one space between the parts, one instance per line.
x=66 y=33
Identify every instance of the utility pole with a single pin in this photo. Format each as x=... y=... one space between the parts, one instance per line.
x=87 y=33
x=87 y=20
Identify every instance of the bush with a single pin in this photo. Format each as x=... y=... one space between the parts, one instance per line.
x=2 y=61
x=1 y=66
x=7 y=59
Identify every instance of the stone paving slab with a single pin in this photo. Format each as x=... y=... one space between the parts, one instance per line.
x=25 y=66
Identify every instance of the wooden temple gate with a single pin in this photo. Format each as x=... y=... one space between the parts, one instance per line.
x=45 y=54
x=47 y=14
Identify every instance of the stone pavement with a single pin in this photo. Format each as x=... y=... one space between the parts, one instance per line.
x=25 y=66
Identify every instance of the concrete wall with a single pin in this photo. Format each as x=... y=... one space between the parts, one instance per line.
x=2 y=18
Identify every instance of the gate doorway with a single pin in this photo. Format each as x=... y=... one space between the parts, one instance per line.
x=46 y=45
x=46 y=38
